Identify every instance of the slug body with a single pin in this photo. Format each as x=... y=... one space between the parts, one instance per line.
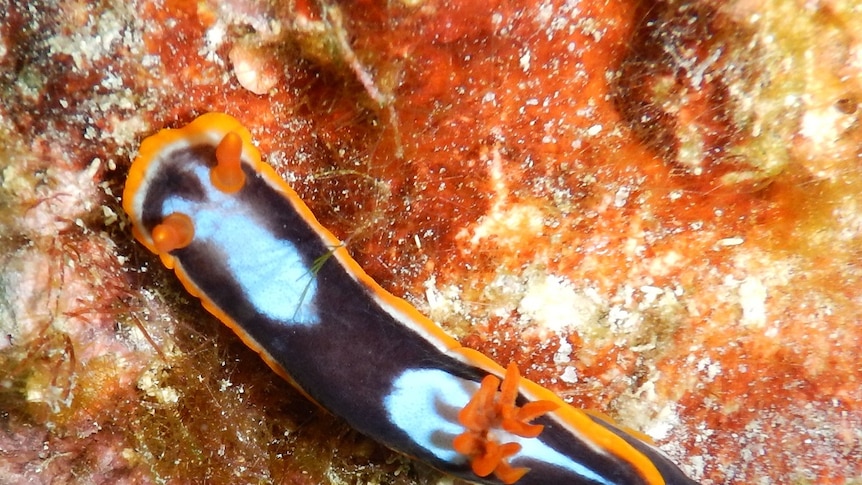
x=241 y=240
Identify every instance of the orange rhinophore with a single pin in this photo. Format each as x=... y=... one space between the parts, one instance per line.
x=176 y=231
x=227 y=175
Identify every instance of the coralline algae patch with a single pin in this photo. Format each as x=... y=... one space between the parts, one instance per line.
x=653 y=209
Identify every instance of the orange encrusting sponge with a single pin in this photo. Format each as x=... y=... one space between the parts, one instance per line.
x=489 y=409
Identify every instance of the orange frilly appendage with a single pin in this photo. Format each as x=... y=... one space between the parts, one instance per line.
x=175 y=232
x=489 y=409
x=227 y=175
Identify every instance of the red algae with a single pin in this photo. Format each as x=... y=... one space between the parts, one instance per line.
x=651 y=207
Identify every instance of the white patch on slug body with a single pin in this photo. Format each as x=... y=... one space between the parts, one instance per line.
x=283 y=292
x=424 y=403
